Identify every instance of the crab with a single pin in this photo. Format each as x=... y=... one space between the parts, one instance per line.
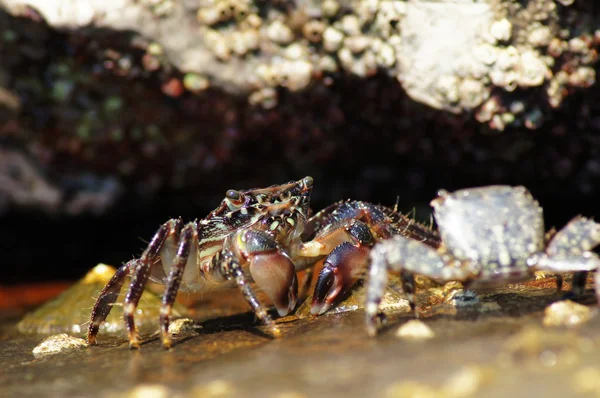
x=262 y=235
x=489 y=236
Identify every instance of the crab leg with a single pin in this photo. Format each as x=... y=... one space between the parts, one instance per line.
x=140 y=269
x=405 y=255
x=107 y=298
x=579 y=235
x=187 y=242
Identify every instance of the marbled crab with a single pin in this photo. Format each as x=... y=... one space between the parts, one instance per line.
x=260 y=235
x=489 y=235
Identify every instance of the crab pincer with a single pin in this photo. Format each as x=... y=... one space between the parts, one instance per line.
x=342 y=268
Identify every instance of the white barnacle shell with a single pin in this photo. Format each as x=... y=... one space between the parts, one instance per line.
x=584 y=76
x=489 y=108
x=501 y=30
x=332 y=39
x=385 y=55
x=251 y=39
x=351 y=25
x=279 y=33
x=327 y=64
x=313 y=30
x=237 y=43
x=540 y=35
x=295 y=51
x=507 y=58
x=472 y=93
x=267 y=74
x=330 y=7
x=485 y=53
x=448 y=87
x=252 y=21
x=208 y=15
x=506 y=80
x=533 y=70
x=357 y=44
x=295 y=75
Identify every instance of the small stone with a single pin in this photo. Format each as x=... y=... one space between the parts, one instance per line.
x=57 y=344
x=415 y=330
x=411 y=389
x=217 y=388
x=466 y=382
x=184 y=327
x=195 y=82
x=587 y=381
x=566 y=313
x=146 y=391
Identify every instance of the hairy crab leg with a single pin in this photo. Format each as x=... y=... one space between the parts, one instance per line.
x=187 y=242
x=140 y=269
x=107 y=298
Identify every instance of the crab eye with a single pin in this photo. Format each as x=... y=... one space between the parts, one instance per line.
x=307 y=182
x=232 y=194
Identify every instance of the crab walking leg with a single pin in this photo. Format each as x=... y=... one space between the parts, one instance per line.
x=585 y=262
x=401 y=254
x=377 y=283
x=578 y=283
x=107 y=298
x=579 y=235
x=187 y=242
x=110 y=293
x=342 y=268
x=141 y=272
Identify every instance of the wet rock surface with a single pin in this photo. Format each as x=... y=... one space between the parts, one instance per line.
x=494 y=353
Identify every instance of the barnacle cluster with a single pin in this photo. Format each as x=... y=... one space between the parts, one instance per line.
x=503 y=51
x=534 y=51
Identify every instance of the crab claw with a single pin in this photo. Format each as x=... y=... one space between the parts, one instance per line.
x=341 y=270
x=275 y=274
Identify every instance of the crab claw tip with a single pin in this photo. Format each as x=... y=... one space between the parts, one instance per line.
x=327 y=289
